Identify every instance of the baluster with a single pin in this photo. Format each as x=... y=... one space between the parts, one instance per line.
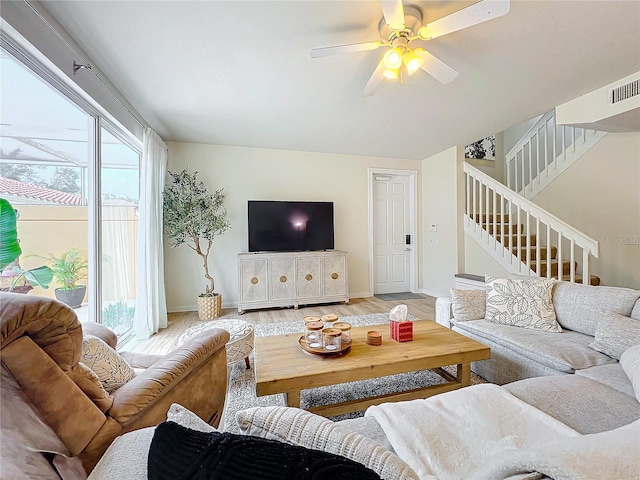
x=564 y=145
x=538 y=159
x=481 y=207
x=468 y=191
x=508 y=165
x=586 y=274
x=475 y=212
x=487 y=209
x=502 y=209
x=572 y=267
x=522 y=184
x=528 y=242
x=495 y=219
x=530 y=168
x=559 y=256
x=555 y=139
x=519 y=240
x=573 y=139
x=548 y=252
x=538 y=246
x=510 y=221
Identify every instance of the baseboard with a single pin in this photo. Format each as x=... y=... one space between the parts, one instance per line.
x=432 y=293
x=193 y=308
x=360 y=294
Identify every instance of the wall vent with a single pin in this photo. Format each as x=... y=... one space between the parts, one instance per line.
x=624 y=92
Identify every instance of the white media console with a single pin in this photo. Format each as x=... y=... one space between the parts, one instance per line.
x=286 y=279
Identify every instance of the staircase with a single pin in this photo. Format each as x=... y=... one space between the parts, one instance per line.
x=522 y=237
x=544 y=152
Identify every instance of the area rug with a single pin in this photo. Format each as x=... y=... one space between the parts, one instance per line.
x=392 y=297
x=242 y=386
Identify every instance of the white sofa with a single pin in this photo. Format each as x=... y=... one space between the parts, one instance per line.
x=519 y=353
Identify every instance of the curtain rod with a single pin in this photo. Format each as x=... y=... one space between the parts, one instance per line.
x=85 y=63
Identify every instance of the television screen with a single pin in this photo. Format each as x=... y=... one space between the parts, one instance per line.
x=290 y=226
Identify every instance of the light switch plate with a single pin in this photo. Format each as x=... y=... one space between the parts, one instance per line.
x=433 y=227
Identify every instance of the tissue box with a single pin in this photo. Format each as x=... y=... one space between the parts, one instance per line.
x=401 y=331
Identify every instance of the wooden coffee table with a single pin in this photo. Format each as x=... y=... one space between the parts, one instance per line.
x=281 y=366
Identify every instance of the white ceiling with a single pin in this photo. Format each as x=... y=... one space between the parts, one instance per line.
x=239 y=72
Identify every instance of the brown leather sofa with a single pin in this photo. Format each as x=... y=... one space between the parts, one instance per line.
x=41 y=350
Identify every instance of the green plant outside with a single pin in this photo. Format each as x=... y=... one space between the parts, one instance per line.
x=68 y=269
x=9 y=246
x=117 y=314
x=10 y=250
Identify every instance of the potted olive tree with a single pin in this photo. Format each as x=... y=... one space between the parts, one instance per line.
x=68 y=269
x=193 y=216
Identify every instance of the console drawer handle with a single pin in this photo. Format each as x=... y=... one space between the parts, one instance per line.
x=254 y=280
x=334 y=276
x=283 y=279
x=308 y=277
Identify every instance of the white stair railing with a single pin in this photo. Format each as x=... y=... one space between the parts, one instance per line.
x=495 y=214
x=544 y=152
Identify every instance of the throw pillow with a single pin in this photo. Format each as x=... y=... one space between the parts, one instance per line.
x=468 y=304
x=299 y=427
x=630 y=362
x=112 y=370
x=177 y=452
x=615 y=334
x=521 y=303
x=185 y=417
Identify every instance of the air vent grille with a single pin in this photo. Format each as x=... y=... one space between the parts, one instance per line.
x=624 y=92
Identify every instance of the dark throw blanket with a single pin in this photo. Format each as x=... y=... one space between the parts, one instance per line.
x=178 y=453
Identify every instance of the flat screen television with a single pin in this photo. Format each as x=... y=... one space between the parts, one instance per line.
x=279 y=226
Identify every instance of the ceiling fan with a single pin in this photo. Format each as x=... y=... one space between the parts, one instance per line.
x=403 y=35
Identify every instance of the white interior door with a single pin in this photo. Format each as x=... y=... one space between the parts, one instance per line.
x=392 y=233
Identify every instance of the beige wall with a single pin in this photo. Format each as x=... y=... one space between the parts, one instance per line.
x=443 y=250
x=263 y=174
x=479 y=262
x=45 y=230
x=600 y=195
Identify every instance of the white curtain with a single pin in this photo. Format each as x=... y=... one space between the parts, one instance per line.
x=151 y=306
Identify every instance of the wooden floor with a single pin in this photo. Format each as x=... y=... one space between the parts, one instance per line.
x=166 y=340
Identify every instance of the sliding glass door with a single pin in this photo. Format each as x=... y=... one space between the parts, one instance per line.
x=73 y=176
x=119 y=225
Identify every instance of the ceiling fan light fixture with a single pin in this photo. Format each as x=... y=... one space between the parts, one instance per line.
x=412 y=61
x=391 y=73
x=424 y=33
x=393 y=59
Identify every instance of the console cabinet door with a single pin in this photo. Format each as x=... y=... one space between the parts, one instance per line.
x=334 y=278
x=282 y=272
x=253 y=280
x=308 y=276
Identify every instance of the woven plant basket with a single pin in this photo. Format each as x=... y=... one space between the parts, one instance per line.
x=210 y=307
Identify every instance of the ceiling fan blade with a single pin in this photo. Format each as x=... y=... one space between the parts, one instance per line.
x=477 y=13
x=436 y=67
x=340 y=49
x=374 y=81
x=393 y=12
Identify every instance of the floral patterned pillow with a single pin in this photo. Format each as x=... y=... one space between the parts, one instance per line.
x=112 y=370
x=521 y=303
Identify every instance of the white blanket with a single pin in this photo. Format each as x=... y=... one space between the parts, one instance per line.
x=611 y=455
x=450 y=436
